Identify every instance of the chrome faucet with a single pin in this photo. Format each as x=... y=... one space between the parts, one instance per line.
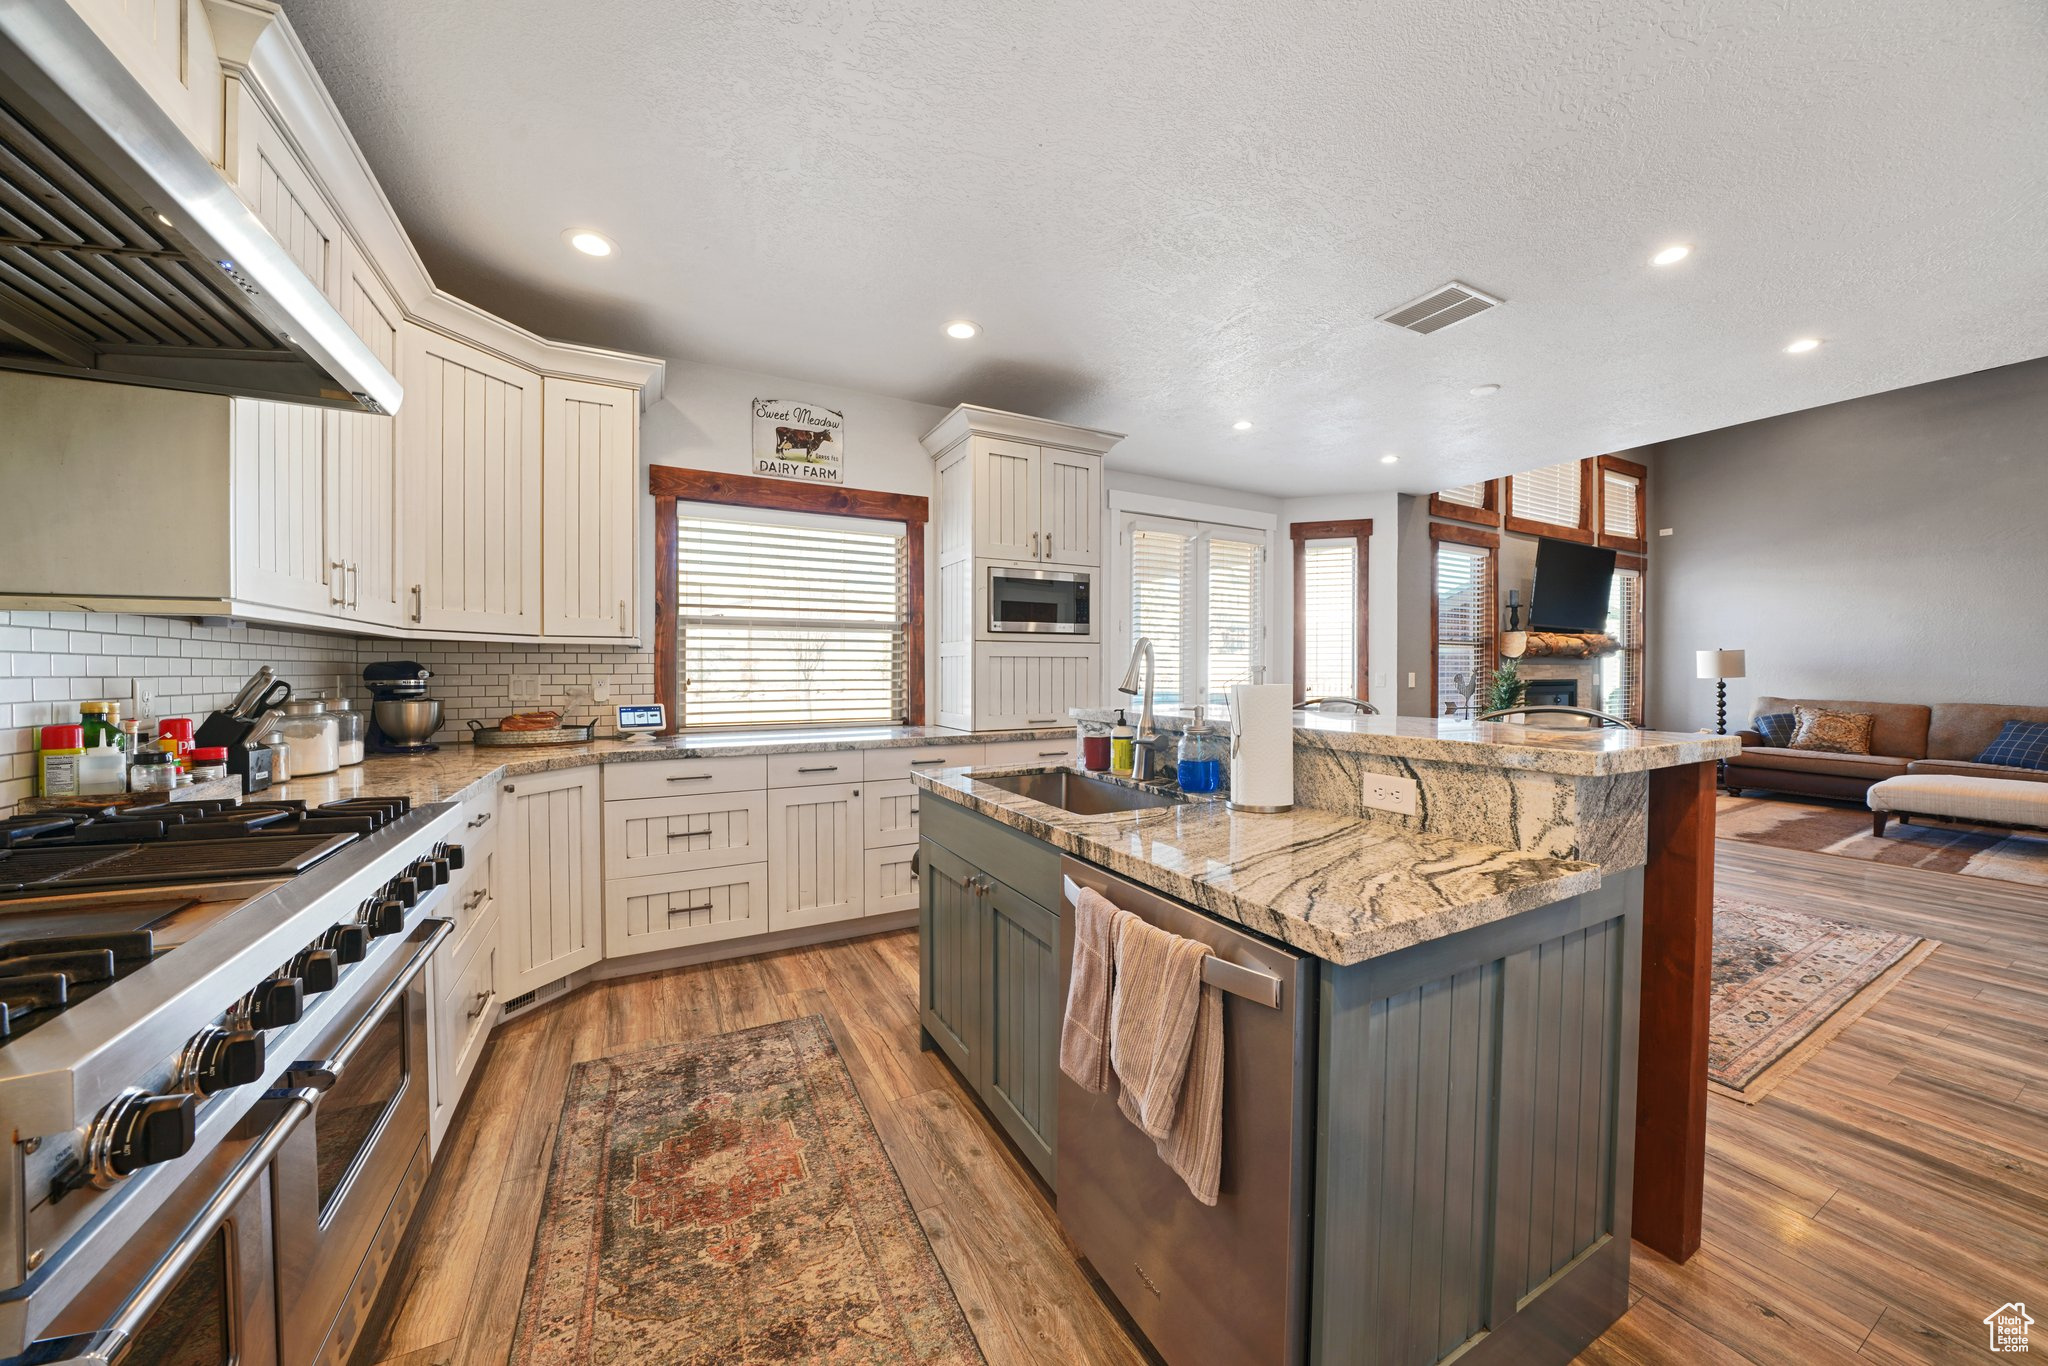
x=1146 y=747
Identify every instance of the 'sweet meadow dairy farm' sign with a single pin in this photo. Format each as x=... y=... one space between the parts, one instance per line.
x=799 y=441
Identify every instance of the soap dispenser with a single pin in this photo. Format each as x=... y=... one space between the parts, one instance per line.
x=1199 y=760
x=1122 y=746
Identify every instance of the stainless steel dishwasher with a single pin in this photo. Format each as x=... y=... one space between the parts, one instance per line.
x=1208 y=1285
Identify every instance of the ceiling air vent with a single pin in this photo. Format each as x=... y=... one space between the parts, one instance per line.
x=1438 y=309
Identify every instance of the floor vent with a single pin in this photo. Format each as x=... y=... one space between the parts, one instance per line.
x=1438 y=309
x=523 y=999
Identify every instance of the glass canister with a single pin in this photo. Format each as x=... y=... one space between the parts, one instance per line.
x=311 y=735
x=1199 y=761
x=354 y=726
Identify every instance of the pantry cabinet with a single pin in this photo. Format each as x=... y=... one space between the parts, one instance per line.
x=471 y=432
x=589 y=516
x=551 y=910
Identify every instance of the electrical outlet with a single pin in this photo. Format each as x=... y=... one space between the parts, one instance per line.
x=1402 y=796
x=144 y=693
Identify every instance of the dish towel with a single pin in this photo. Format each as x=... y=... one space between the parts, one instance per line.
x=1194 y=1146
x=1153 y=1002
x=1084 y=1034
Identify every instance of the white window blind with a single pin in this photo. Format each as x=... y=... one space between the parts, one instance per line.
x=1551 y=494
x=1234 y=613
x=1160 y=601
x=789 y=620
x=1464 y=625
x=1618 y=511
x=1621 y=673
x=1329 y=618
x=1466 y=495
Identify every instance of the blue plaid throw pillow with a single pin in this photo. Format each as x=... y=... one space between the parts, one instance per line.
x=2022 y=744
x=1775 y=728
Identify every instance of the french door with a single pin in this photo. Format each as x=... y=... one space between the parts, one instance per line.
x=1197 y=590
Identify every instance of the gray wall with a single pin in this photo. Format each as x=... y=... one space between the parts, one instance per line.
x=1890 y=548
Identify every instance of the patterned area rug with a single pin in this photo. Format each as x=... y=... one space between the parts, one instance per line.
x=728 y=1201
x=1785 y=983
x=1845 y=830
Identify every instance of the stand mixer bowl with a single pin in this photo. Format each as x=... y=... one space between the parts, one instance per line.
x=407 y=721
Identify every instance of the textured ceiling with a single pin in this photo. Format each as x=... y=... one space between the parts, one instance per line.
x=1170 y=215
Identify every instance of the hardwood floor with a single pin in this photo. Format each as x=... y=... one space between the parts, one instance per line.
x=1875 y=1207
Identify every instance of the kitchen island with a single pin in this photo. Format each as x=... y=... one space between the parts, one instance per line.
x=1478 y=973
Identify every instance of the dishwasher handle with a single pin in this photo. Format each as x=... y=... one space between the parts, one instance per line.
x=1260 y=988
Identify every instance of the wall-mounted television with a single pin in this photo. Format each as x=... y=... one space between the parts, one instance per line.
x=1572 y=583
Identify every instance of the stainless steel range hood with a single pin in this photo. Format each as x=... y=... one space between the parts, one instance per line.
x=126 y=256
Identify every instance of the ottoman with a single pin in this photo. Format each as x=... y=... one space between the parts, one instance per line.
x=2013 y=803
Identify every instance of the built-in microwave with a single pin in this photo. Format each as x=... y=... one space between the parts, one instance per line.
x=1042 y=601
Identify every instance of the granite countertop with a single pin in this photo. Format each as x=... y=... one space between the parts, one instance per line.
x=1591 y=752
x=1340 y=887
x=452 y=771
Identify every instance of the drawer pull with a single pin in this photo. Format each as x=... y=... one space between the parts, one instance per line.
x=475 y=898
x=675 y=911
x=693 y=778
x=483 y=998
x=926 y=763
x=479 y=822
x=1053 y=753
x=820 y=768
x=1040 y=720
x=913 y=810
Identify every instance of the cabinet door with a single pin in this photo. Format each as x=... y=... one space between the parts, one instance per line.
x=891 y=808
x=892 y=879
x=815 y=871
x=280 y=191
x=362 y=463
x=677 y=834
x=471 y=431
x=1071 y=503
x=589 y=516
x=1016 y=686
x=1006 y=500
x=552 y=914
x=463 y=1009
x=675 y=910
x=276 y=476
x=1021 y=1014
x=951 y=945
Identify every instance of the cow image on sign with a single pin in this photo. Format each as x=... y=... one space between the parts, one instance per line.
x=800 y=441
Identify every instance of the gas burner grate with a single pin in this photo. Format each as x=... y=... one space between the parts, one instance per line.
x=204 y=860
x=32 y=867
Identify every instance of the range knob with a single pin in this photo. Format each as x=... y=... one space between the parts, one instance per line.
x=405 y=887
x=350 y=942
x=218 y=1058
x=428 y=872
x=452 y=853
x=275 y=1003
x=384 y=915
x=317 y=968
x=138 y=1130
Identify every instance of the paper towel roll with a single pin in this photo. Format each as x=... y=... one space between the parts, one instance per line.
x=1262 y=746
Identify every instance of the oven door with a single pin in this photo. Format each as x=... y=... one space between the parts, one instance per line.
x=196 y=1285
x=1038 y=601
x=362 y=1148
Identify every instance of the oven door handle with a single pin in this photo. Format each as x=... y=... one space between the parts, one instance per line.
x=320 y=1074
x=105 y=1345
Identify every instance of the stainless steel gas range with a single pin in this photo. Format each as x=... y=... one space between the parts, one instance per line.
x=212 y=1074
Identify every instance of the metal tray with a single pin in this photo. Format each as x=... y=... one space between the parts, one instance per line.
x=481 y=734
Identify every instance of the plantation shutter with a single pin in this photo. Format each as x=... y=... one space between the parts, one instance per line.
x=1329 y=624
x=789 y=619
x=1618 y=511
x=1464 y=623
x=1550 y=495
x=1235 y=621
x=1621 y=673
x=1160 y=606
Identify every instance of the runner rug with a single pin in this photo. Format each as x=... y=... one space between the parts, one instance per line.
x=728 y=1200
x=1785 y=983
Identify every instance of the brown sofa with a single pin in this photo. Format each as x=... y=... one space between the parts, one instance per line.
x=1907 y=737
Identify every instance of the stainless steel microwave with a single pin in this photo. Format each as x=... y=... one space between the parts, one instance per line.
x=1039 y=601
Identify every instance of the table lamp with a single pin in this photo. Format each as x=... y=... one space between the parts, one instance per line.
x=1720 y=665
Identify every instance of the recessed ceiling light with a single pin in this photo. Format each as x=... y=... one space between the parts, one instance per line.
x=1671 y=255
x=1390 y=459
x=1485 y=390
x=588 y=242
x=960 y=329
x=1240 y=426
x=1802 y=346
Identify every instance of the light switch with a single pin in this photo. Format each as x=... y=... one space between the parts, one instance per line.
x=1411 y=678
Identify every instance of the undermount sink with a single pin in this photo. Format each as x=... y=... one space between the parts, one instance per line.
x=1078 y=793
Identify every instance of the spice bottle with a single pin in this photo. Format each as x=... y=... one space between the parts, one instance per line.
x=57 y=758
x=102 y=768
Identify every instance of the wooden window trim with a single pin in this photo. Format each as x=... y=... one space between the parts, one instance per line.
x=1487 y=541
x=1639 y=545
x=1585 y=533
x=1487 y=515
x=1359 y=531
x=671 y=484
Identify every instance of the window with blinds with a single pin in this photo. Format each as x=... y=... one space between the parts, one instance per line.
x=1464 y=627
x=1620 y=505
x=789 y=619
x=1552 y=495
x=1621 y=673
x=1234 y=616
x=1198 y=591
x=1160 y=561
x=1466 y=495
x=1329 y=618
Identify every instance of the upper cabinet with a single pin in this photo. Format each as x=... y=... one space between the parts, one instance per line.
x=361 y=492
x=1006 y=499
x=589 y=514
x=274 y=183
x=167 y=45
x=1022 y=489
x=471 y=429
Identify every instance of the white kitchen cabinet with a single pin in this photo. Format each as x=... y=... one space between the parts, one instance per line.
x=361 y=501
x=1003 y=753
x=276 y=455
x=891 y=879
x=1070 y=507
x=1021 y=686
x=1007 y=489
x=589 y=515
x=278 y=188
x=168 y=47
x=815 y=855
x=471 y=429
x=464 y=1007
x=548 y=865
x=891 y=810
x=678 y=910
x=683 y=833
